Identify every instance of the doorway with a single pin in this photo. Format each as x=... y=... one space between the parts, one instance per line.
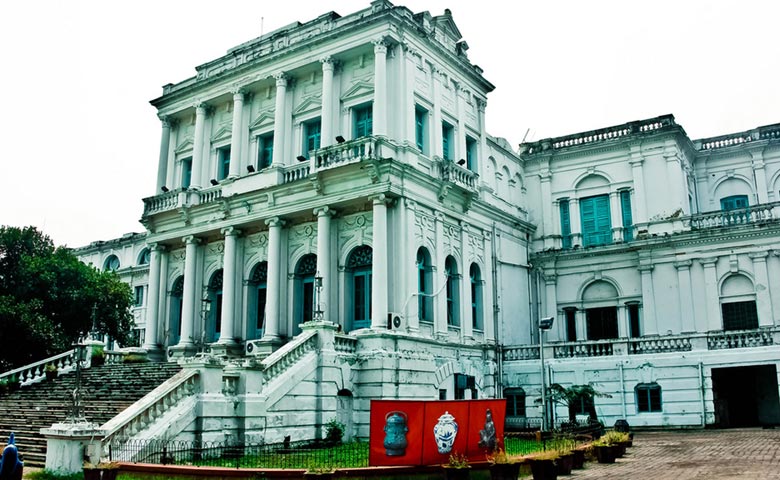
x=746 y=396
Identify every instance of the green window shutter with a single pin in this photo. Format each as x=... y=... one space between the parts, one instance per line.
x=565 y=224
x=596 y=225
x=419 y=128
x=363 y=122
x=313 y=130
x=625 y=206
x=734 y=202
x=603 y=223
x=186 y=172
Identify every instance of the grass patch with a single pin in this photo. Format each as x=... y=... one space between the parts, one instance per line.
x=49 y=475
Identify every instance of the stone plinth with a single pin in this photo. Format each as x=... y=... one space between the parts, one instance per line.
x=69 y=445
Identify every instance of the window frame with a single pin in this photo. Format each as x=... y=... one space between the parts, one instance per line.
x=732 y=202
x=626 y=215
x=447 y=140
x=425 y=311
x=186 y=172
x=645 y=401
x=420 y=129
x=309 y=137
x=565 y=214
x=362 y=127
x=452 y=289
x=600 y=232
x=472 y=156
x=265 y=150
x=223 y=161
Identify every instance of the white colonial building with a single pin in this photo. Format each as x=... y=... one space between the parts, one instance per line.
x=333 y=224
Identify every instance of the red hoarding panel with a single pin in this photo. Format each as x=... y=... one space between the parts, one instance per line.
x=445 y=431
x=389 y=418
x=486 y=430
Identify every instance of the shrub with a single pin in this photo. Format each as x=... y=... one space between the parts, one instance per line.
x=334 y=431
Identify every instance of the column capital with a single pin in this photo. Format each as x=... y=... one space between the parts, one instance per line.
x=481 y=105
x=238 y=93
x=380 y=45
x=167 y=121
x=381 y=199
x=648 y=268
x=230 y=231
x=191 y=240
x=328 y=63
x=708 y=261
x=281 y=79
x=201 y=108
x=683 y=264
x=324 y=211
x=157 y=247
x=758 y=256
x=275 y=222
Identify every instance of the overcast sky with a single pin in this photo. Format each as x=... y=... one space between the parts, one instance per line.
x=80 y=141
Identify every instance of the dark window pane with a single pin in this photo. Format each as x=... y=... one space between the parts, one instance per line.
x=739 y=315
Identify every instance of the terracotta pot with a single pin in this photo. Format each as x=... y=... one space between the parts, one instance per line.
x=564 y=464
x=544 y=469
x=91 y=474
x=451 y=473
x=109 y=473
x=578 y=459
x=605 y=454
x=620 y=450
x=504 y=471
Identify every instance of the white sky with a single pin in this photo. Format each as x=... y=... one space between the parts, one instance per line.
x=80 y=141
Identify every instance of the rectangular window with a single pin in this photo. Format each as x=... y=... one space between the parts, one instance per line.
x=420 y=124
x=139 y=296
x=446 y=140
x=565 y=224
x=648 y=398
x=515 y=402
x=265 y=150
x=471 y=154
x=633 y=320
x=602 y=323
x=625 y=206
x=442 y=394
x=308 y=299
x=262 y=298
x=734 y=202
x=311 y=136
x=596 y=225
x=363 y=121
x=223 y=162
x=739 y=315
x=462 y=384
x=186 y=172
x=571 y=324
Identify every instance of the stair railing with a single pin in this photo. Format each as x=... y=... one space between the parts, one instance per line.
x=150 y=408
x=287 y=356
x=35 y=372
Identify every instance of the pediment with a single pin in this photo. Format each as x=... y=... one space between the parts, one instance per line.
x=308 y=104
x=445 y=23
x=185 y=145
x=223 y=133
x=358 y=89
x=263 y=120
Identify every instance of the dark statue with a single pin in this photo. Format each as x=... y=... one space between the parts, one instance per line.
x=487 y=436
x=10 y=465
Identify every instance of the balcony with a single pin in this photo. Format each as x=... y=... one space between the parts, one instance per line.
x=755 y=214
x=718 y=340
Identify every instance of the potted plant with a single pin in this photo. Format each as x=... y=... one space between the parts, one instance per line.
x=565 y=461
x=51 y=371
x=457 y=468
x=98 y=356
x=502 y=466
x=579 y=454
x=543 y=465
x=619 y=440
x=319 y=473
x=91 y=472
x=108 y=470
x=604 y=451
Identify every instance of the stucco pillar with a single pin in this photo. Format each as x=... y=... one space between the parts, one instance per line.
x=411 y=300
x=201 y=110
x=275 y=280
x=483 y=149
x=581 y=324
x=324 y=256
x=551 y=306
x=759 y=173
x=487 y=292
x=189 y=311
x=227 y=322
x=380 y=87
x=545 y=178
x=466 y=322
x=675 y=176
x=622 y=321
x=409 y=72
x=650 y=322
x=280 y=118
x=152 y=303
x=712 y=296
x=574 y=221
x=687 y=317
x=439 y=279
x=639 y=185
x=162 y=295
x=326 y=134
x=237 y=140
x=162 y=164
x=379 y=267
x=763 y=299
x=616 y=217
x=460 y=139
x=435 y=129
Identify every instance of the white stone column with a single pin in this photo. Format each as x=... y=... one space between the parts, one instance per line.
x=435 y=129
x=674 y=173
x=763 y=299
x=648 y=300
x=483 y=150
x=712 y=296
x=545 y=178
x=162 y=295
x=551 y=307
x=380 y=87
x=439 y=279
x=379 y=268
x=409 y=73
x=574 y=221
x=275 y=279
x=162 y=165
x=687 y=317
x=327 y=136
x=411 y=300
x=198 y=158
x=280 y=119
x=637 y=173
x=227 y=335
x=581 y=324
x=615 y=217
x=152 y=302
x=189 y=311
x=466 y=321
x=487 y=292
x=324 y=256
x=622 y=321
x=759 y=173
x=237 y=139
x=460 y=138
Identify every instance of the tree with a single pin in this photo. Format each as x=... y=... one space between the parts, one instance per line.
x=47 y=297
x=575 y=396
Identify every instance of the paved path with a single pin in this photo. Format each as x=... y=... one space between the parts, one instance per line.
x=686 y=455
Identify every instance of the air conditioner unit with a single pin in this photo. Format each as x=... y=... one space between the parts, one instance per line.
x=251 y=347
x=395 y=321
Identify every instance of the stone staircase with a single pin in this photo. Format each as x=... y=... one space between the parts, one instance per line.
x=107 y=391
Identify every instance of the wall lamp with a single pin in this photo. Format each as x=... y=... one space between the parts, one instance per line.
x=301 y=158
x=164 y=189
x=340 y=139
x=250 y=168
x=214 y=182
x=461 y=162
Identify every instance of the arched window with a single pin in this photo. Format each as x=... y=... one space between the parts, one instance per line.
x=214 y=319
x=305 y=272
x=600 y=300
x=738 y=303
x=174 y=320
x=111 y=263
x=359 y=266
x=515 y=402
x=256 y=300
x=145 y=257
x=424 y=285
x=453 y=288
x=648 y=398
x=475 y=279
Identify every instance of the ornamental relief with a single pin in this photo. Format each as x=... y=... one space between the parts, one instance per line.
x=302 y=237
x=476 y=248
x=354 y=230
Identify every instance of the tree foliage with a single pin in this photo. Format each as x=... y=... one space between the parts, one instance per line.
x=47 y=297
x=574 y=396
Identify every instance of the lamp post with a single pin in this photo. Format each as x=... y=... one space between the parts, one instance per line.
x=318 y=312
x=544 y=324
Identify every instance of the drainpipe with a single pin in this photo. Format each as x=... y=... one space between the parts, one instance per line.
x=701 y=387
x=622 y=390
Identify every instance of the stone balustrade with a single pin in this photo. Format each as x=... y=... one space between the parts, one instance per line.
x=639 y=346
x=162 y=203
x=354 y=151
x=740 y=339
x=455 y=174
x=293 y=173
x=527 y=352
x=590 y=348
x=345 y=343
x=279 y=361
x=728 y=218
x=35 y=372
x=209 y=195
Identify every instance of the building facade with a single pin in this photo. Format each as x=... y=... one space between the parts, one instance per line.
x=333 y=224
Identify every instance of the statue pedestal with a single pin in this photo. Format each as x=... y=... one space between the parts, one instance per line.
x=69 y=445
